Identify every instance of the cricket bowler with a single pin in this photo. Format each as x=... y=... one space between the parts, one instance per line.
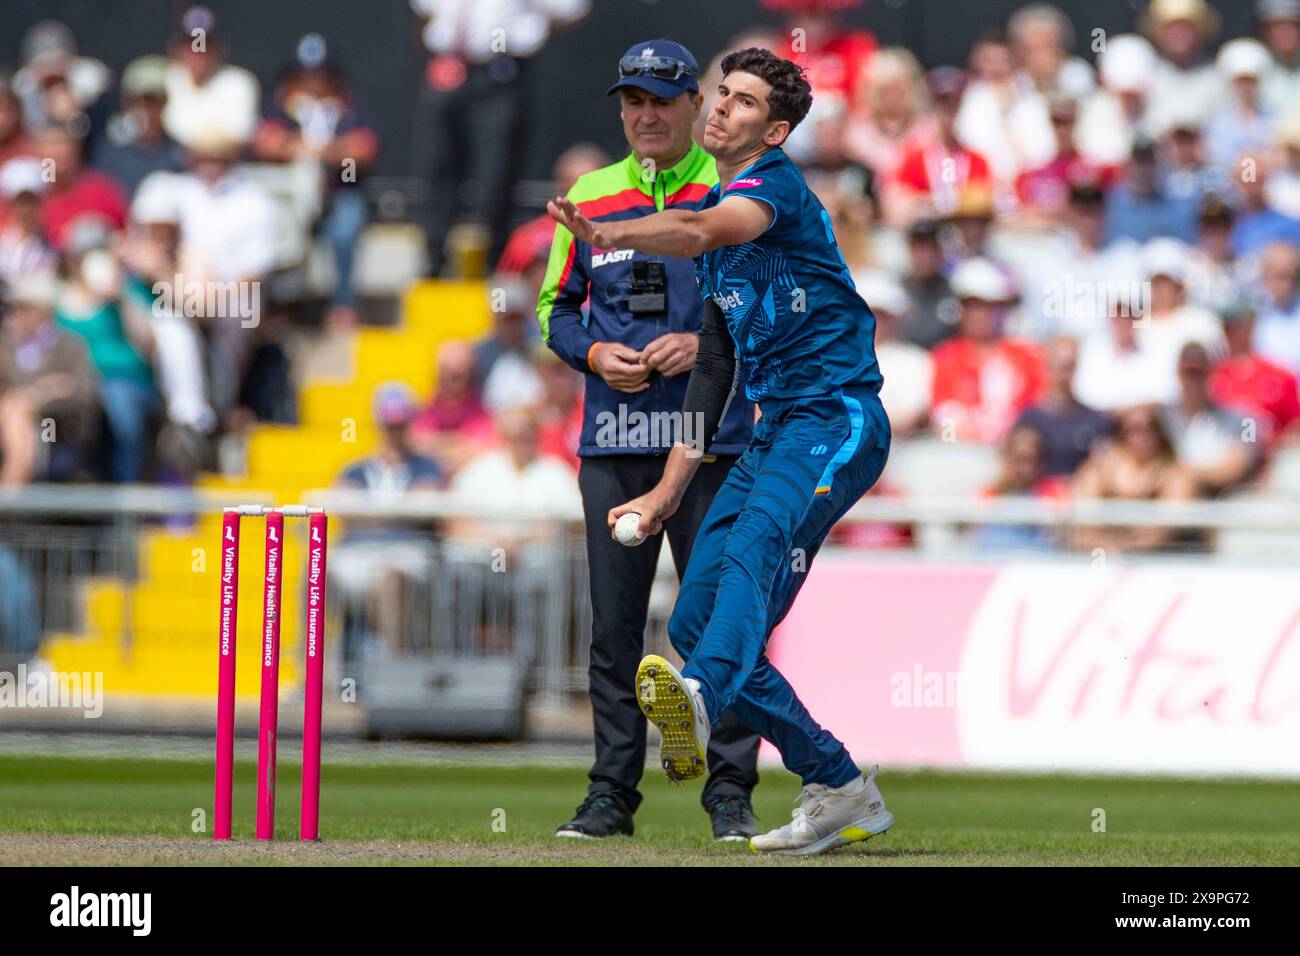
x=779 y=304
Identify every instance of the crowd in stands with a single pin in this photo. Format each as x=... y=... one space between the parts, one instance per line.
x=1099 y=258
x=1088 y=262
x=140 y=259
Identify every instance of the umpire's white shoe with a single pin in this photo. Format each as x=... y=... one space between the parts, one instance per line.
x=828 y=817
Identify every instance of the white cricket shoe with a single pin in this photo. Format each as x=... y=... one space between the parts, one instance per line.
x=674 y=705
x=828 y=817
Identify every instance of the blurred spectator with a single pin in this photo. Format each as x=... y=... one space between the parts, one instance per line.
x=933 y=313
x=832 y=53
x=23 y=249
x=75 y=191
x=982 y=380
x=135 y=143
x=907 y=396
x=454 y=426
x=1138 y=208
x=20 y=612
x=57 y=85
x=1070 y=429
x=1171 y=321
x=14 y=139
x=1244 y=124
x=205 y=94
x=1283 y=190
x=1043 y=191
x=529 y=245
x=1277 y=330
x=315 y=120
x=1068 y=280
x=517 y=474
x=379 y=560
x=968 y=225
x=1248 y=381
x=845 y=187
x=999 y=118
x=1117 y=369
x=559 y=414
x=937 y=167
x=1212 y=442
x=1041 y=39
x=1258 y=224
x=1140 y=465
x=503 y=366
x=890 y=110
x=816 y=37
x=1184 y=171
x=90 y=304
x=1111 y=117
x=1213 y=276
x=473 y=106
x=47 y=390
x=227 y=235
x=1021 y=475
x=149 y=252
x=1181 y=31
x=1279 y=28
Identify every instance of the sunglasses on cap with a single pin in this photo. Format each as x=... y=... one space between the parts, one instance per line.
x=660 y=67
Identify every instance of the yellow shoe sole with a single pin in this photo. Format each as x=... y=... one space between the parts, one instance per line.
x=665 y=701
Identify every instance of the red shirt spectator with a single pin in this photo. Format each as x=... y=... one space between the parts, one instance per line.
x=528 y=244
x=453 y=427
x=94 y=194
x=937 y=169
x=833 y=66
x=982 y=381
x=1247 y=381
x=1048 y=187
x=925 y=168
x=558 y=437
x=75 y=191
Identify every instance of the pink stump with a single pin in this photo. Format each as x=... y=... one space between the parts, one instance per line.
x=317 y=548
x=225 y=781
x=268 y=717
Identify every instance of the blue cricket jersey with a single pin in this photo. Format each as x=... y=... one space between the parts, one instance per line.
x=799 y=325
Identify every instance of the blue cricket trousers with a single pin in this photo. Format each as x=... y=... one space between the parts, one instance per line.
x=810 y=460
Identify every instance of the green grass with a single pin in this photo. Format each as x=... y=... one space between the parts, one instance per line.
x=943 y=818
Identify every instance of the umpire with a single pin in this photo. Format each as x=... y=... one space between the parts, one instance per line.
x=637 y=347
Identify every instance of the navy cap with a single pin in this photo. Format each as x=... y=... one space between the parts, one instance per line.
x=658 y=56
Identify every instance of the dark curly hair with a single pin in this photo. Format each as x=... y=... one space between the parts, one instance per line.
x=791 y=96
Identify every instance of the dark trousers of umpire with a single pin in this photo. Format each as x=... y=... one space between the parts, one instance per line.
x=621 y=578
x=475 y=131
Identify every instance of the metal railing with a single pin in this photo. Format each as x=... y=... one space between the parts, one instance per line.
x=429 y=574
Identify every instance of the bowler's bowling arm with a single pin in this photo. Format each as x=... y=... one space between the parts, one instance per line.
x=673 y=232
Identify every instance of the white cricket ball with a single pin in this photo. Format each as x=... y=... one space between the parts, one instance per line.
x=625 y=530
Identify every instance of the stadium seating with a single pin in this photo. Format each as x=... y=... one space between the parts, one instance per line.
x=172 y=607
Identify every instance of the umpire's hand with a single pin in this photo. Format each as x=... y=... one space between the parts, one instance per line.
x=671 y=353
x=620 y=367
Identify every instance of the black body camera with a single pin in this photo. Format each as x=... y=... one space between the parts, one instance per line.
x=649 y=288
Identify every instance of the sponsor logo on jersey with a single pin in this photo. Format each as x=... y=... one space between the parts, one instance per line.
x=747 y=183
x=599 y=259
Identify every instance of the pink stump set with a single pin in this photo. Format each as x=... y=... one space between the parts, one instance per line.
x=268 y=717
